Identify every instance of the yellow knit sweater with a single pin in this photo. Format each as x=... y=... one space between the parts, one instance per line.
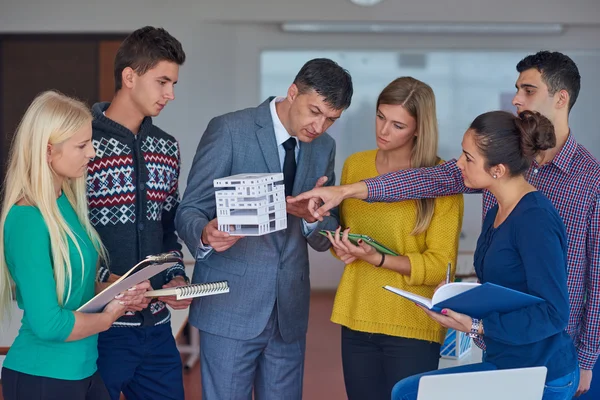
x=361 y=303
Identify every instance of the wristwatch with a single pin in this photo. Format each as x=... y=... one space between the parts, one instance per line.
x=475 y=326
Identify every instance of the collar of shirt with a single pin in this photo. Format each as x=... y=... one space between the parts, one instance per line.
x=281 y=134
x=563 y=158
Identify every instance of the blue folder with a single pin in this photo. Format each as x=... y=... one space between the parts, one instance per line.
x=481 y=300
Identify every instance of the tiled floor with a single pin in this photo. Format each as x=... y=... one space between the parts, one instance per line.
x=323 y=370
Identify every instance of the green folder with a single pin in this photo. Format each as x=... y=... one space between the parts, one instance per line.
x=354 y=237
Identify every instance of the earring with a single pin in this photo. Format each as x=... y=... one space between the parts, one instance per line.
x=495 y=176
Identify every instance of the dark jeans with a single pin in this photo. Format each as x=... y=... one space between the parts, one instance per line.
x=141 y=362
x=20 y=386
x=373 y=362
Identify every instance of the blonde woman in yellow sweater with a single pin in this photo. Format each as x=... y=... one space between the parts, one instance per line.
x=386 y=338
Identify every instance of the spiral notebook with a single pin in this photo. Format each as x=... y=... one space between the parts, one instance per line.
x=190 y=291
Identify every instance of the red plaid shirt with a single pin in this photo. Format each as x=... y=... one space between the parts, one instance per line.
x=572 y=182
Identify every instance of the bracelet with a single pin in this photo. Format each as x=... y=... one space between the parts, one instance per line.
x=475 y=325
x=382 y=260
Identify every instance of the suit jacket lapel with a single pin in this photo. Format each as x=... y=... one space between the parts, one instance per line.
x=302 y=167
x=266 y=136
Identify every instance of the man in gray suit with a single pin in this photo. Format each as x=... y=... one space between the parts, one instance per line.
x=255 y=336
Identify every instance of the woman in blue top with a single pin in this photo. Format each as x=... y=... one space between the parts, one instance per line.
x=522 y=246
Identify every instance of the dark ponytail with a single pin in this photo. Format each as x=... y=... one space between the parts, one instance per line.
x=504 y=138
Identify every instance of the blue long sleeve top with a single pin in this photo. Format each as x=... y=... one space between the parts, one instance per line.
x=528 y=252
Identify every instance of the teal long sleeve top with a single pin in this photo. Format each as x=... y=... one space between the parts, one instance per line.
x=41 y=348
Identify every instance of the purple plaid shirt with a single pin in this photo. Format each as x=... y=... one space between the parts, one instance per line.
x=572 y=182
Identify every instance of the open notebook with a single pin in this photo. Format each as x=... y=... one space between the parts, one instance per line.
x=190 y=291
x=473 y=299
x=142 y=271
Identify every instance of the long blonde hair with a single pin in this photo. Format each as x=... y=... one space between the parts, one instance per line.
x=418 y=100
x=52 y=118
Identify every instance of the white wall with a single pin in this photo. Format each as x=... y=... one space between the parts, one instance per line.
x=223 y=67
x=223 y=40
x=19 y=15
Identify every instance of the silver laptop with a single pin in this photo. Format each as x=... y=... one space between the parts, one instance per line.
x=513 y=384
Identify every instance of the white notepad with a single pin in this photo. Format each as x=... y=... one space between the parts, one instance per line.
x=190 y=291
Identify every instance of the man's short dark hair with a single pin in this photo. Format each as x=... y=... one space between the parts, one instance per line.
x=328 y=79
x=143 y=49
x=559 y=72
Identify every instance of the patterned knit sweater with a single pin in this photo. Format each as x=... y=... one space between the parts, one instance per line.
x=133 y=195
x=361 y=303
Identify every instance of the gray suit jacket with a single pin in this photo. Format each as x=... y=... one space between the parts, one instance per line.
x=260 y=270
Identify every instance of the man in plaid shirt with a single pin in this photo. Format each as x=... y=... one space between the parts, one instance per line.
x=568 y=175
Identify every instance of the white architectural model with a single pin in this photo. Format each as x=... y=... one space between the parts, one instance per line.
x=253 y=204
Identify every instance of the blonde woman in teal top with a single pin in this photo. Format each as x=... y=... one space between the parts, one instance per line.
x=50 y=251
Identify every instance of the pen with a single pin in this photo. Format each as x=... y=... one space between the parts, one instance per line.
x=448 y=273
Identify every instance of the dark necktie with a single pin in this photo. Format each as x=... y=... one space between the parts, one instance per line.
x=289 y=165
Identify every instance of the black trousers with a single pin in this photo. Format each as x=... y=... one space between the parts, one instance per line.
x=20 y=386
x=373 y=363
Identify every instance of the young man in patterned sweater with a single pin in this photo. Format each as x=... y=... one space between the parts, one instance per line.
x=133 y=196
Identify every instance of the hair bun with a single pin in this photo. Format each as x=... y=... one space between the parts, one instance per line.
x=537 y=133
